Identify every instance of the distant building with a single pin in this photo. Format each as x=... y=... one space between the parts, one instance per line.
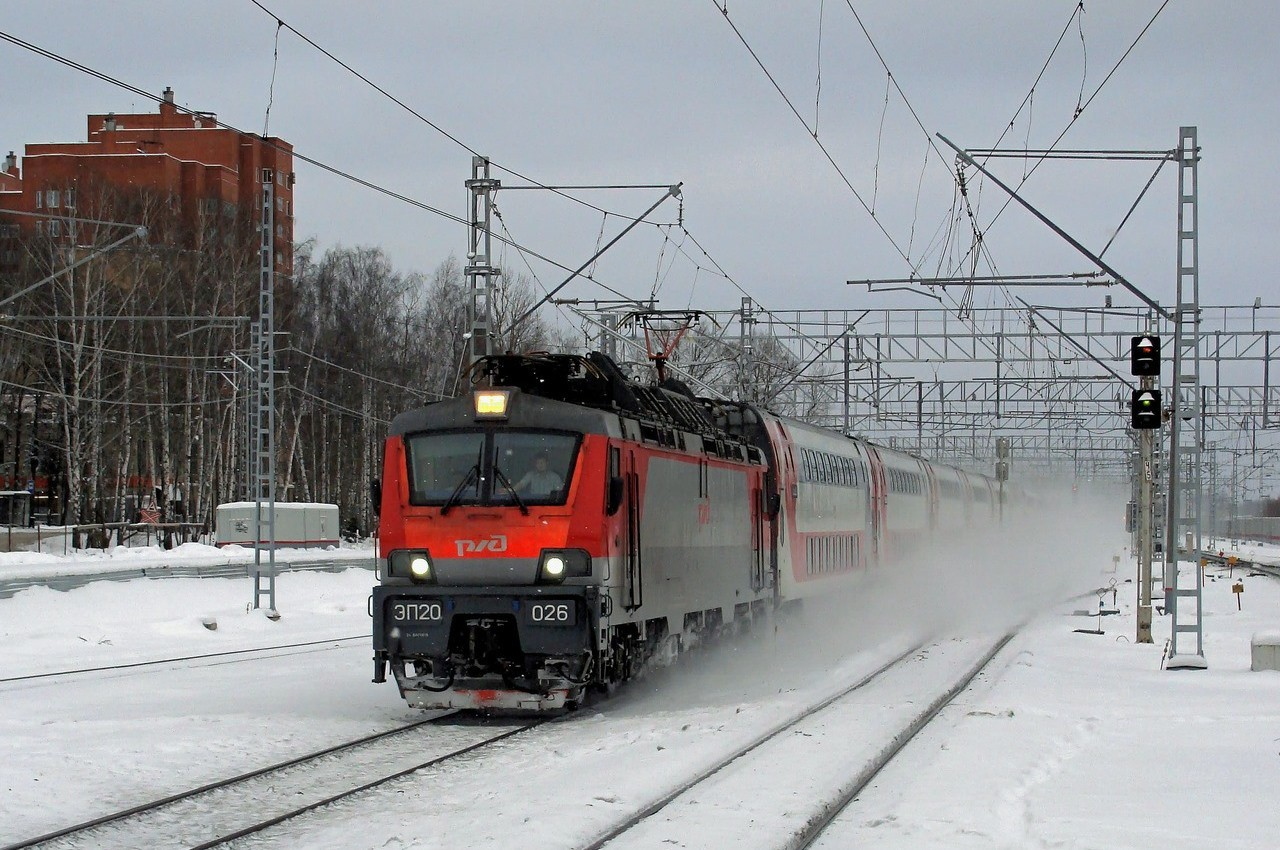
x=200 y=169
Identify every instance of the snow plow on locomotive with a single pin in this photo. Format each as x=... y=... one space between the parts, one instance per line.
x=560 y=526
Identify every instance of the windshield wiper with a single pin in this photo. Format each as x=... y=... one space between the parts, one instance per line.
x=502 y=479
x=472 y=474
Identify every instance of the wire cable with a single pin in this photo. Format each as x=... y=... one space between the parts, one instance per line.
x=361 y=375
x=337 y=172
x=48 y=54
x=424 y=119
x=1080 y=111
x=812 y=132
x=463 y=145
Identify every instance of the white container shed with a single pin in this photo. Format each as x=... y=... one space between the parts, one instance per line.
x=298 y=524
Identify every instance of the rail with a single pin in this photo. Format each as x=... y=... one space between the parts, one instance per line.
x=146 y=823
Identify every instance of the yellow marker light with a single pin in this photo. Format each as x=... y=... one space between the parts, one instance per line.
x=554 y=566
x=420 y=566
x=491 y=404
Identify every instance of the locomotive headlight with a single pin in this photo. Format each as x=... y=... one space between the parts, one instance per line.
x=411 y=563
x=491 y=404
x=556 y=565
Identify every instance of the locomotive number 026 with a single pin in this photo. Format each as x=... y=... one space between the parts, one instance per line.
x=558 y=613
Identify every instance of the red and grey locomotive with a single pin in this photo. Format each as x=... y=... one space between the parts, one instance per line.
x=561 y=525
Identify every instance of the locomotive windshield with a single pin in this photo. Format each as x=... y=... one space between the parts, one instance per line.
x=490 y=468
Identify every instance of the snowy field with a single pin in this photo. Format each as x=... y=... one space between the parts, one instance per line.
x=1075 y=740
x=52 y=562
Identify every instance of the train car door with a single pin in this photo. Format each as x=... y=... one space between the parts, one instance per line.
x=966 y=496
x=634 y=589
x=931 y=482
x=782 y=498
x=759 y=508
x=879 y=503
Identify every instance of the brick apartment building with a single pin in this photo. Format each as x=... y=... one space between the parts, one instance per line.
x=199 y=168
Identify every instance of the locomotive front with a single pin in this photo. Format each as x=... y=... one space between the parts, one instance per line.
x=490 y=548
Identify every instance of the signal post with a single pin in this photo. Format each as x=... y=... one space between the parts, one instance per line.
x=1145 y=418
x=1146 y=457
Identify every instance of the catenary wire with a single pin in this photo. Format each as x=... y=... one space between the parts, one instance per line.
x=460 y=143
x=812 y=133
x=1080 y=111
x=337 y=172
x=425 y=120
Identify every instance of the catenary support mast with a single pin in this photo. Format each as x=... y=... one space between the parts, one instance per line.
x=1183 y=578
x=263 y=408
x=479 y=270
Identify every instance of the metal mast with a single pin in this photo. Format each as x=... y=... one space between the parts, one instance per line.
x=1145 y=503
x=263 y=456
x=1185 y=494
x=746 y=342
x=479 y=269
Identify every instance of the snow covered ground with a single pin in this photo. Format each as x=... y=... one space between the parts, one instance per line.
x=52 y=562
x=1076 y=740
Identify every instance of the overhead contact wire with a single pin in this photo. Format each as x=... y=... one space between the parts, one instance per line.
x=424 y=119
x=337 y=172
x=812 y=133
x=451 y=137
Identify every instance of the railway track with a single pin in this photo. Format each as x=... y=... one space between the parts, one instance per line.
x=823 y=756
x=219 y=812
x=1234 y=561
x=254 y=652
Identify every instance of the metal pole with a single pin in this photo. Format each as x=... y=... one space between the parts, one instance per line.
x=1185 y=490
x=1146 y=504
x=746 y=342
x=264 y=448
x=479 y=270
x=845 y=428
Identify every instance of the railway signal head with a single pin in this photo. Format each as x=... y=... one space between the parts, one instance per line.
x=1144 y=409
x=1144 y=355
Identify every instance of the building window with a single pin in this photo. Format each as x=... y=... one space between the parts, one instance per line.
x=268 y=176
x=39 y=200
x=71 y=199
x=288 y=208
x=51 y=199
x=279 y=258
x=39 y=228
x=55 y=228
x=9 y=231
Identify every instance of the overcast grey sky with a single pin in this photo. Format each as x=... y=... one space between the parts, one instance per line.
x=577 y=92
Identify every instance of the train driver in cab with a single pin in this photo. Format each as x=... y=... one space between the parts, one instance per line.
x=540 y=481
